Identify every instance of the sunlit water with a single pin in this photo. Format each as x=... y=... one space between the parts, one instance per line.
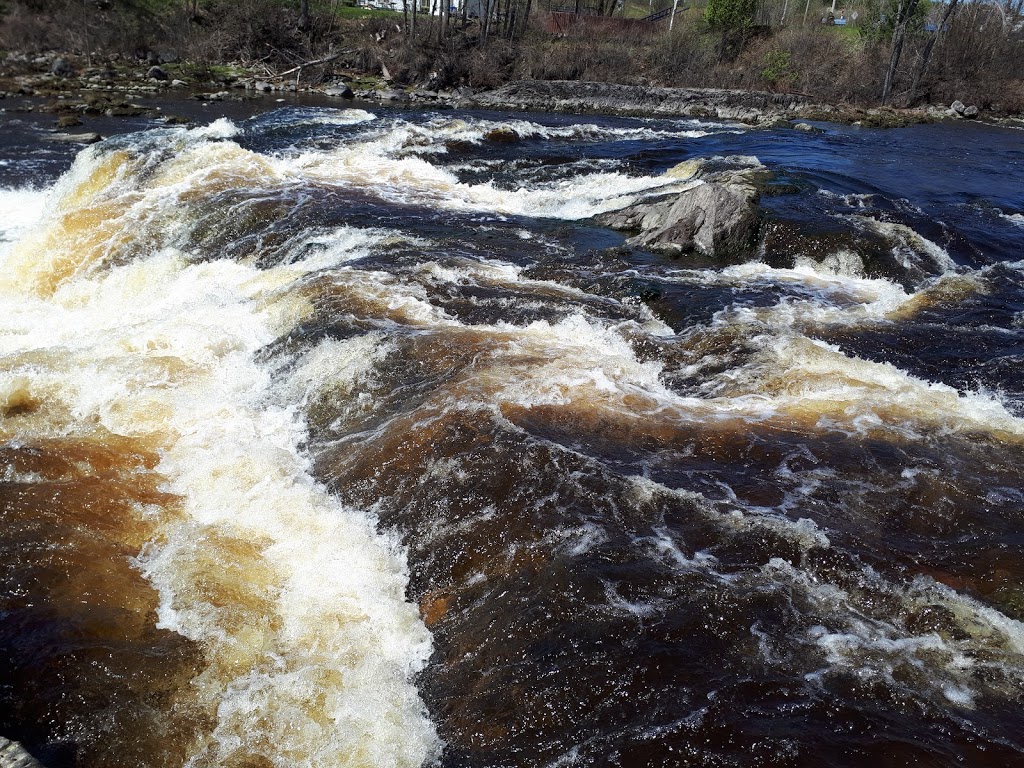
x=337 y=438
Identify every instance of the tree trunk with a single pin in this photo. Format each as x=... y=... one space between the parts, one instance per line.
x=304 y=15
x=899 y=33
x=526 y=17
x=927 y=52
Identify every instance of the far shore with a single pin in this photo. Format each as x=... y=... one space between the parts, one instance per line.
x=67 y=86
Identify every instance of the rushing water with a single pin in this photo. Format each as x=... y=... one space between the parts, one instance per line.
x=333 y=438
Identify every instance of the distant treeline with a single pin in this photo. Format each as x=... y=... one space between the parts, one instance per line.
x=901 y=52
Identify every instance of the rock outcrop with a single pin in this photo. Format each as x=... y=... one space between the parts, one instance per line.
x=13 y=755
x=716 y=213
x=612 y=98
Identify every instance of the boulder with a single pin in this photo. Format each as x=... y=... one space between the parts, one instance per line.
x=61 y=68
x=958 y=107
x=971 y=112
x=156 y=73
x=393 y=96
x=341 y=91
x=263 y=86
x=716 y=213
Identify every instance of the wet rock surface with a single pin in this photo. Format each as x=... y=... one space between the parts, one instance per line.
x=716 y=215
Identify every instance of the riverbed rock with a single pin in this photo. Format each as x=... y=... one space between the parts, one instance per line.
x=13 y=755
x=958 y=107
x=156 y=73
x=341 y=91
x=971 y=112
x=393 y=96
x=75 y=138
x=715 y=214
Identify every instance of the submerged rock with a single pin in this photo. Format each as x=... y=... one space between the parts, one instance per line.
x=75 y=138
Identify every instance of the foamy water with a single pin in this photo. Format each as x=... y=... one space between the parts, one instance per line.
x=297 y=602
x=397 y=440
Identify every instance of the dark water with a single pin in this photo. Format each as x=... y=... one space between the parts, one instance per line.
x=280 y=393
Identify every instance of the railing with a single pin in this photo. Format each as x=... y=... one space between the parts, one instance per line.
x=664 y=13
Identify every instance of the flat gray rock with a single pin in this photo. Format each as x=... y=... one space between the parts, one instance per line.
x=75 y=138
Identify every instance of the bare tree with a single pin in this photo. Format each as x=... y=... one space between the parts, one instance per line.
x=926 y=53
x=904 y=11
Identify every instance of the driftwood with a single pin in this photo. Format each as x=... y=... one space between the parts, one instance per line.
x=315 y=62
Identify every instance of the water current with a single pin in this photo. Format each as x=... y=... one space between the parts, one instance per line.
x=344 y=437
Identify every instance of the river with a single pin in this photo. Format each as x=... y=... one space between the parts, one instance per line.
x=346 y=437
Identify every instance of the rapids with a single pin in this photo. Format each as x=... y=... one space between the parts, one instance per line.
x=333 y=437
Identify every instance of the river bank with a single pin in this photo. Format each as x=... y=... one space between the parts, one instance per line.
x=76 y=91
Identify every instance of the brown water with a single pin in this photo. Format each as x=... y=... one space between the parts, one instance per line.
x=341 y=439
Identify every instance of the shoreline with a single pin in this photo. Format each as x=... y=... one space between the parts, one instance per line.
x=113 y=88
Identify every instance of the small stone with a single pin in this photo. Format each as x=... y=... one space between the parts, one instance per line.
x=178 y=84
x=68 y=121
x=263 y=87
x=805 y=127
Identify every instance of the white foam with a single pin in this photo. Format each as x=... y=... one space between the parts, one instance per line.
x=222 y=128
x=433 y=135
x=20 y=209
x=876 y=645
x=310 y=659
x=908 y=247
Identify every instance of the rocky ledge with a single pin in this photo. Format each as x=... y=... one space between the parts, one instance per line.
x=612 y=98
x=715 y=212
